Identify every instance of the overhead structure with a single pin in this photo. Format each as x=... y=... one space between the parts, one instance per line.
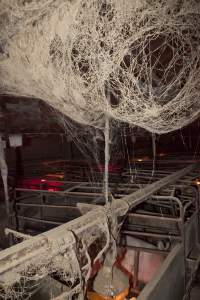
x=135 y=61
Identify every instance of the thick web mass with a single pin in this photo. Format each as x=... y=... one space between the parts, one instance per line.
x=95 y=60
x=135 y=61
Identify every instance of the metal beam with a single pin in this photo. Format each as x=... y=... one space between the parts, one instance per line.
x=62 y=236
x=143 y=194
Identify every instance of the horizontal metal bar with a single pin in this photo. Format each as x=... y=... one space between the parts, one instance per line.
x=150 y=234
x=59 y=193
x=146 y=250
x=62 y=235
x=68 y=207
x=147 y=218
x=150 y=223
x=36 y=220
x=143 y=194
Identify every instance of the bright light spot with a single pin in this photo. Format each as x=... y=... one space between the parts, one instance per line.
x=162 y=154
x=60 y=176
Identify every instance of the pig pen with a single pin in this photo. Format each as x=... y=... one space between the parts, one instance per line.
x=160 y=277
x=168 y=282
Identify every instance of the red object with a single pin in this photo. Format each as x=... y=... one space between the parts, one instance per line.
x=95 y=268
x=40 y=184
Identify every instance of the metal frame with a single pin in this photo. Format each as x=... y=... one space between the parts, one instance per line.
x=73 y=192
x=17 y=255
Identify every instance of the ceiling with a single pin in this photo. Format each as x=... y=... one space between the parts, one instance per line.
x=22 y=115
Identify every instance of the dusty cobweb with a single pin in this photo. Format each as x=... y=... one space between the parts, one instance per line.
x=136 y=61
x=98 y=60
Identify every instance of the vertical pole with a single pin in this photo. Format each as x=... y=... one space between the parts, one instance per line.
x=107 y=158
x=198 y=217
x=19 y=168
x=4 y=175
x=16 y=211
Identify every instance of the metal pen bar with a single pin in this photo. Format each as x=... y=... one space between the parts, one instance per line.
x=36 y=220
x=141 y=195
x=71 y=208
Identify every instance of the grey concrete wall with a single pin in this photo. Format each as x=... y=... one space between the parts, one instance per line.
x=168 y=284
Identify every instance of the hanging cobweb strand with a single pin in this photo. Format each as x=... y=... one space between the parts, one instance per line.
x=107 y=157
x=72 y=54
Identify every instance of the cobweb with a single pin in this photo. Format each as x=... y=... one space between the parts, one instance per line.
x=66 y=257
x=136 y=61
x=97 y=61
